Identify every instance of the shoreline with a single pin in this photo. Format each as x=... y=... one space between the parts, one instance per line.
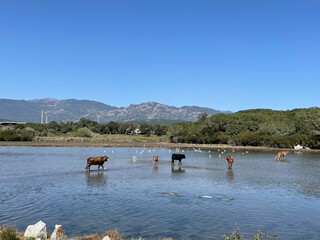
x=81 y=142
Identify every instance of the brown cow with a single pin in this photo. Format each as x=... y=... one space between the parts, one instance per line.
x=96 y=161
x=280 y=154
x=155 y=160
x=230 y=161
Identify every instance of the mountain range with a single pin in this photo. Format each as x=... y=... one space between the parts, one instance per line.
x=49 y=109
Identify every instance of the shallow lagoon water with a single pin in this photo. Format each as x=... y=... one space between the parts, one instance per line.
x=200 y=200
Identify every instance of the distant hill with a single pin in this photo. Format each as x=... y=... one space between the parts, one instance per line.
x=5 y=120
x=73 y=110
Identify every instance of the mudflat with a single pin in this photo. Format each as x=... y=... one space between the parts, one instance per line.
x=106 y=142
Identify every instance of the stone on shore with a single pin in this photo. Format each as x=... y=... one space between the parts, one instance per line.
x=38 y=231
x=57 y=233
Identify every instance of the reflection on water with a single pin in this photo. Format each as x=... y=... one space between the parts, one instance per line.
x=230 y=175
x=155 y=168
x=140 y=199
x=96 y=178
x=177 y=169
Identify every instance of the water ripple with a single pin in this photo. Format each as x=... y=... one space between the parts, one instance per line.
x=201 y=200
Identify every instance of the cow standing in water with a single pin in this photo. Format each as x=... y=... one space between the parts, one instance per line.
x=96 y=161
x=230 y=161
x=155 y=160
x=281 y=154
x=178 y=157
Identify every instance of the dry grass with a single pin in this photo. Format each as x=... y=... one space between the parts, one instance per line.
x=10 y=233
x=113 y=234
x=94 y=236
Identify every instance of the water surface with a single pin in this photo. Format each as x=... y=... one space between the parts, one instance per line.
x=202 y=199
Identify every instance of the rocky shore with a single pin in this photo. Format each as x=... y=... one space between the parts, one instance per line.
x=39 y=231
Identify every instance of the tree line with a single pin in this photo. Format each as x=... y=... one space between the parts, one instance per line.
x=83 y=128
x=255 y=127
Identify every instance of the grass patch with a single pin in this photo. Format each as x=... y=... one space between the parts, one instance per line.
x=236 y=235
x=107 y=138
x=8 y=233
x=132 y=138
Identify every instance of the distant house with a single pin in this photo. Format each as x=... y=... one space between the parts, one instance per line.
x=137 y=131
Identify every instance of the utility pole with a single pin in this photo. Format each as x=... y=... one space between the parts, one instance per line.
x=46 y=117
x=42 y=114
x=98 y=116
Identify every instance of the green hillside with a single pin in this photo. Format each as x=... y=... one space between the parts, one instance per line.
x=256 y=127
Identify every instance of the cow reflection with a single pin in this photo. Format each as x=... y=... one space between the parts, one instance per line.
x=177 y=170
x=155 y=168
x=230 y=175
x=96 y=178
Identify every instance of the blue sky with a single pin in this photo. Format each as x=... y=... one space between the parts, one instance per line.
x=223 y=54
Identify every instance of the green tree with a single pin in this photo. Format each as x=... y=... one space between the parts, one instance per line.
x=113 y=127
x=145 y=129
x=202 y=117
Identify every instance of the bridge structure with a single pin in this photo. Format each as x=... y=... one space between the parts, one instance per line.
x=5 y=123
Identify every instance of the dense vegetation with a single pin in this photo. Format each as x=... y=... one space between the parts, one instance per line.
x=257 y=127
x=83 y=128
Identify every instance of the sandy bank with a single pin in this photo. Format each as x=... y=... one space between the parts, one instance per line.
x=93 y=142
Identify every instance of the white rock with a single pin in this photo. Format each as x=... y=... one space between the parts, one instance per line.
x=106 y=238
x=38 y=231
x=57 y=233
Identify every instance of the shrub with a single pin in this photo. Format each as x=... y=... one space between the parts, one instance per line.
x=8 y=233
x=262 y=235
x=84 y=132
x=235 y=235
x=9 y=135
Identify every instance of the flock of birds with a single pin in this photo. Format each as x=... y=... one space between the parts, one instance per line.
x=140 y=152
x=229 y=158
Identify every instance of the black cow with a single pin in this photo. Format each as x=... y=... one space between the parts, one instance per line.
x=177 y=156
